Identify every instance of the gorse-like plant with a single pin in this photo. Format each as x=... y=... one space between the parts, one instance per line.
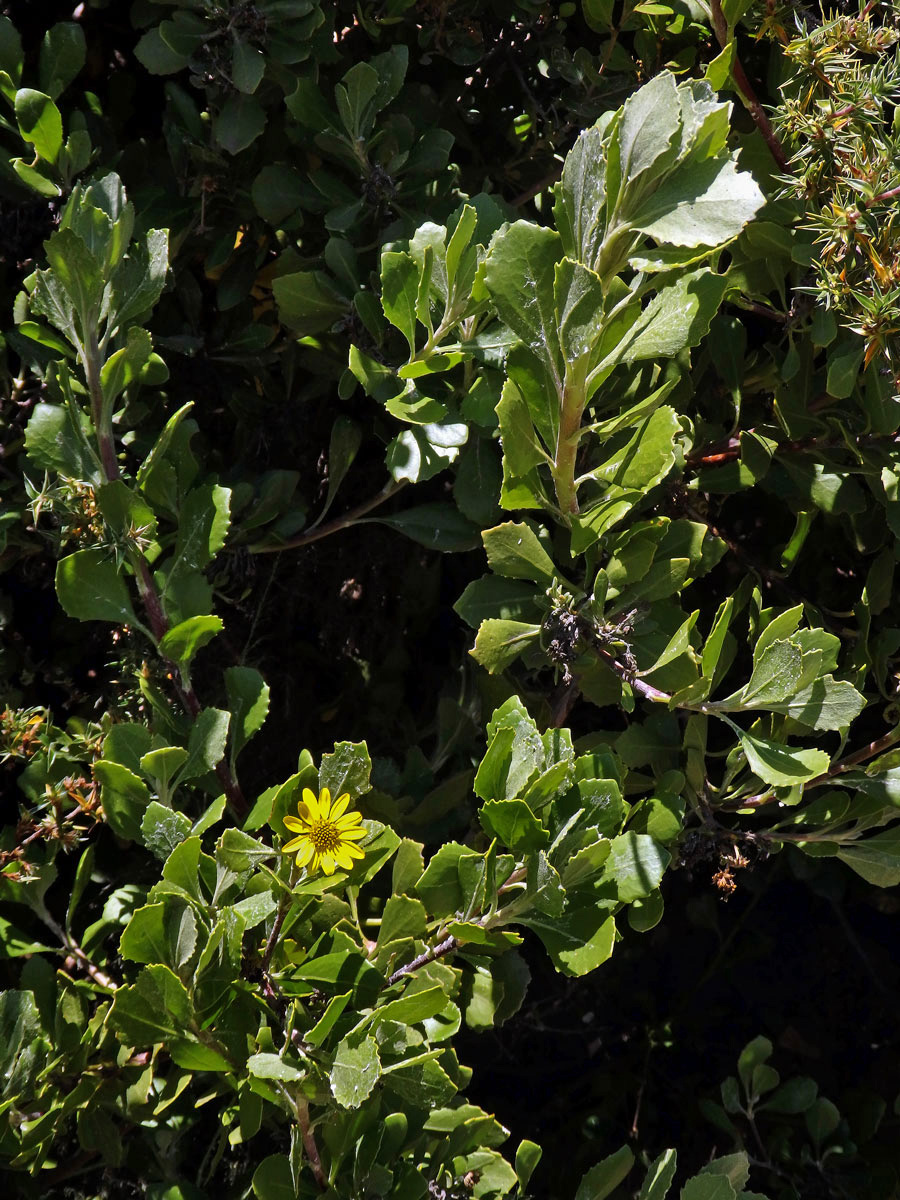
x=622 y=403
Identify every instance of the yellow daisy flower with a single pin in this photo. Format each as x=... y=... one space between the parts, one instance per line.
x=326 y=833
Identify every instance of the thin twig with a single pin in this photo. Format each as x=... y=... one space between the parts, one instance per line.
x=747 y=92
x=438 y=951
x=348 y=519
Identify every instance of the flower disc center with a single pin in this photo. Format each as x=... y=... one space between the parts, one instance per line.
x=325 y=836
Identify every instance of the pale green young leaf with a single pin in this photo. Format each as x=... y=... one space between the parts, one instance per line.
x=780 y=765
x=578 y=941
x=659 y=1176
x=676 y=318
x=499 y=643
x=125 y=365
x=182 y=642
x=701 y=204
x=645 y=141
x=581 y=197
x=399 y=289
x=578 y=296
x=514 y=551
x=519 y=275
x=636 y=864
x=422 y=452
x=39 y=122
x=347 y=769
x=355 y=1071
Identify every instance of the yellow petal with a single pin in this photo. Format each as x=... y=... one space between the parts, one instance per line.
x=327 y=864
x=292 y=845
x=353 y=851
x=340 y=806
x=305 y=854
x=325 y=803
x=343 y=859
x=353 y=834
x=310 y=803
x=294 y=823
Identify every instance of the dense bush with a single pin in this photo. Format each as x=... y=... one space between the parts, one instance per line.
x=449 y=513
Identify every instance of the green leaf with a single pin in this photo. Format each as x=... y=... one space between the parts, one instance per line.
x=54 y=443
x=144 y=939
x=780 y=765
x=756 y=1053
x=123 y=367
x=124 y=797
x=11 y=56
x=307 y=302
x=703 y=204
x=75 y=266
x=876 y=859
x=659 y=1176
x=644 y=143
x=515 y=552
x=272 y=1066
x=636 y=864
x=62 y=57
x=157 y=56
x=516 y=826
x=183 y=641
x=578 y=294
x=439 y=886
x=239 y=124
x=277 y=193
x=202 y=530
x=248 y=700
x=528 y=1155
x=603 y=1179
x=206 y=744
x=439 y=526
x=399 y=290
x=677 y=317
x=708 y=1187
x=493 y=596
x=39 y=122
x=345 y=440
x=248 y=65
x=499 y=643
x=419 y=1083
x=157 y=1007
x=794 y=1096
x=355 y=1071
x=273 y=1179
x=347 y=769
x=826 y=703
x=422 y=452
x=579 y=941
